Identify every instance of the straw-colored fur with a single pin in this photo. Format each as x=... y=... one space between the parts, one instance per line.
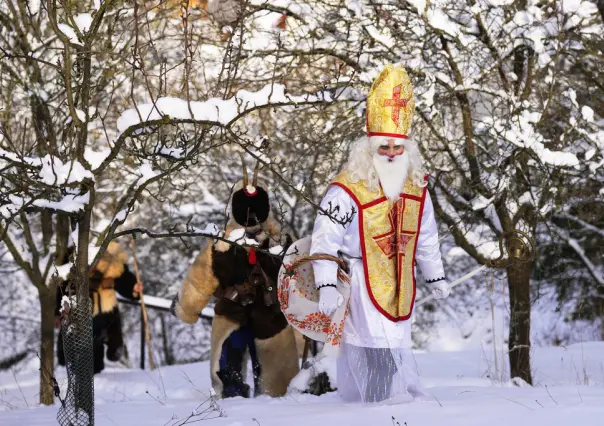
x=278 y=357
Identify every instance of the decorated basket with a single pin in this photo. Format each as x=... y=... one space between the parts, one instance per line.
x=299 y=297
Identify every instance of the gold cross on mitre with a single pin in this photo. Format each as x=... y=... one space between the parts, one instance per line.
x=390 y=104
x=396 y=103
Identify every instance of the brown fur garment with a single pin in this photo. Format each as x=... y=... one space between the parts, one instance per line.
x=222 y=327
x=112 y=263
x=200 y=283
x=106 y=298
x=278 y=357
x=111 y=266
x=197 y=288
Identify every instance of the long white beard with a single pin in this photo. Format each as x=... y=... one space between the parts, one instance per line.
x=392 y=174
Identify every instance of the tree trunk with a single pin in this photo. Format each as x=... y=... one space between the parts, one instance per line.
x=47 y=339
x=81 y=319
x=519 y=343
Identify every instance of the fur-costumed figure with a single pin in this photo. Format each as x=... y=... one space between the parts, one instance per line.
x=247 y=314
x=110 y=275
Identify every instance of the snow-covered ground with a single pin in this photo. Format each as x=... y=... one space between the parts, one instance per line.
x=569 y=389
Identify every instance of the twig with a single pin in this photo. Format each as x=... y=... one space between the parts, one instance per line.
x=537 y=401
x=7 y=404
x=550 y=395
x=174 y=417
x=441 y=406
x=156 y=399
x=19 y=386
x=491 y=291
x=188 y=234
x=53 y=381
x=197 y=416
x=516 y=402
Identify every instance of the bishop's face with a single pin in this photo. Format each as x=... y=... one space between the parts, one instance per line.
x=391 y=162
x=390 y=149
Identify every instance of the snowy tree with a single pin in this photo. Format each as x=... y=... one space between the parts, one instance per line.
x=61 y=69
x=117 y=112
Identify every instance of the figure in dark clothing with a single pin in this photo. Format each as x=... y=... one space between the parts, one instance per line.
x=248 y=318
x=110 y=275
x=232 y=360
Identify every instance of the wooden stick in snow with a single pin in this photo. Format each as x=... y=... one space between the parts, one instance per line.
x=143 y=309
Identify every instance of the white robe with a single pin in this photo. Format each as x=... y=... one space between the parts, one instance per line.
x=365 y=326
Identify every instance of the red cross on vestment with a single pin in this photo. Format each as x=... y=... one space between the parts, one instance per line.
x=395 y=242
x=396 y=103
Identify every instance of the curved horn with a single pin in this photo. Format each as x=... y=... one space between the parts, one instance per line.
x=255 y=178
x=519 y=247
x=245 y=178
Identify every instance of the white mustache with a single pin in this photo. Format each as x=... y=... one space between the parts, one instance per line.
x=387 y=159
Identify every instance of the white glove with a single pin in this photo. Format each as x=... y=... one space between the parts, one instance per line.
x=441 y=290
x=330 y=299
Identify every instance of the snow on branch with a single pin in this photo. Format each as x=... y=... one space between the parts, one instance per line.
x=238 y=236
x=215 y=110
x=592 y=268
x=522 y=132
x=574 y=244
x=55 y=172
x=51 y=170
x=588 y=226
x=70 y=203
